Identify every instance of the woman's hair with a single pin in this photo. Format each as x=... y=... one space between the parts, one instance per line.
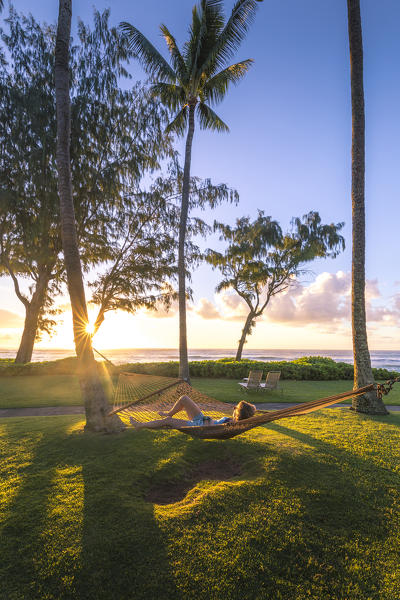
x=244 y=410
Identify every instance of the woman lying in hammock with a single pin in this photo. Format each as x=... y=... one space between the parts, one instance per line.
x=243 y=410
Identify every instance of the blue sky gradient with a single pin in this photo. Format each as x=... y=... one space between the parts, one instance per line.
x=288 y=150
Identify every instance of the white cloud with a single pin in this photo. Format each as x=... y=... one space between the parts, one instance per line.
x=206 y=309
x=325 y=301
x=324 y=304
x=162 y=312
x=10 y=320
x=232 y=306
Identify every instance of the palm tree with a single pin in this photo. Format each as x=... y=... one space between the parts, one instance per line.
x=96 y=404
x=368 y=403
x=198 y=76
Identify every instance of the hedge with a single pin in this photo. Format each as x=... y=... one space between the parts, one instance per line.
x=305 y=368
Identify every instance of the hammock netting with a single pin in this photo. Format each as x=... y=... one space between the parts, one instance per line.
x=143 y=396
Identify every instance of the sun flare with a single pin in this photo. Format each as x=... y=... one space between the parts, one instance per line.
x=90 y=328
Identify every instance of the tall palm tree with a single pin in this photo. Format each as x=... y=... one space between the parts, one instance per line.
x=96 y=405
x=368 y=403
x=198 y=75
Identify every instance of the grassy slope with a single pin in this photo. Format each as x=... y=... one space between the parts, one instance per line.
x=314 y=513
x=63 y=390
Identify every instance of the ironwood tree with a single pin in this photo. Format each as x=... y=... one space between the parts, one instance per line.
x=117 y=135
x=260 y=261
x=141 y=270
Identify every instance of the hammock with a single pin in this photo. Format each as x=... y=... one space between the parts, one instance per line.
x=143 y=396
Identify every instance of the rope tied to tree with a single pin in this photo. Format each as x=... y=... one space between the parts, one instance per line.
x=382 y=389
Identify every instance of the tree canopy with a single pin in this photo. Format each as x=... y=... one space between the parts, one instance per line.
x=260 y=261
x=116 y=136
x=141 y=269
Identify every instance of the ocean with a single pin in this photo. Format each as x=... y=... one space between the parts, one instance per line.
x=387 y=359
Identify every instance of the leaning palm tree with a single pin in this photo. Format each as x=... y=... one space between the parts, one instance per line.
x=368 y=403
x=198 y=76
x=96 y=404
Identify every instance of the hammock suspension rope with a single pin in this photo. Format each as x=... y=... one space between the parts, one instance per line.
x=143 y=396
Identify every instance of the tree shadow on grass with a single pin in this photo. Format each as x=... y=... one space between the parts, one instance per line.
x=311 y=527
x=123 y=550
x=345 y=500
x=300 y=521
x=78 y=528
x=23 y=523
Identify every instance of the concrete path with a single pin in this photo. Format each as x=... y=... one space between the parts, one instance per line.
x=47 y=411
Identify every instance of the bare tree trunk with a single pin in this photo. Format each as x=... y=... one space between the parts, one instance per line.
x=368 y=403
x=183 y=351
x=32 y=313
x=96 y=404
x=245 y=332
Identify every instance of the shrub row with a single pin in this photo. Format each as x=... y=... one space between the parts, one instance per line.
x=64 y=366
x=305 y=368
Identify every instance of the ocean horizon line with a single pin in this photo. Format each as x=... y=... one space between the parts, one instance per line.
x=388 y=359
x=233 y=350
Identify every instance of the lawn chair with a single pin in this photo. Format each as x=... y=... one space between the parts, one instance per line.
x=252 y=382
x=271 y=381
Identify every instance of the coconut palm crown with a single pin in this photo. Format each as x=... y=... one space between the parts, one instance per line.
x=198 y=76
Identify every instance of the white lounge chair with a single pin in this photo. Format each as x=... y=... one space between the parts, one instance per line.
x=271 y=381
x=252 y=382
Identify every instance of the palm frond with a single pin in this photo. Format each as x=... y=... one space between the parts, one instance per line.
x=233 y=34
x=173 y=96
x=176 y=56
x=207 y=24
x=208 y=119
x=179 y=124
x=215 y=88
x=152 y=61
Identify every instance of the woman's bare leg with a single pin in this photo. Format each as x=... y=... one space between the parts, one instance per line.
x=184 y=403
x=158 y=423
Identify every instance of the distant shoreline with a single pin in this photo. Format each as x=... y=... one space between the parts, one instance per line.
x=389 y=359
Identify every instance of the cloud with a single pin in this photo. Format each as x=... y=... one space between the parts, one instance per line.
x=162 y=312
x=10 y=320
x=7 y=337
x=206 y=309
x=325 y=301
x=232 y=306
x=324 y=304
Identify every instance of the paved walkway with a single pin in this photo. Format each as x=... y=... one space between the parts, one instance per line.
x=47 y=411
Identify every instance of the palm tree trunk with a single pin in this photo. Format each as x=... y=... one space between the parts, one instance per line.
x=183 y=351
x=245 y=332
x=369 y=403
x=32 y=312
x=96 y=404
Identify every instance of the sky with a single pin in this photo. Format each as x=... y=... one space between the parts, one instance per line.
x=288 y=152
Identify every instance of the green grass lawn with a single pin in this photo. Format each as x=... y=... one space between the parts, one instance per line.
x=63 y=390
x=290 y=391
x=305 y=508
